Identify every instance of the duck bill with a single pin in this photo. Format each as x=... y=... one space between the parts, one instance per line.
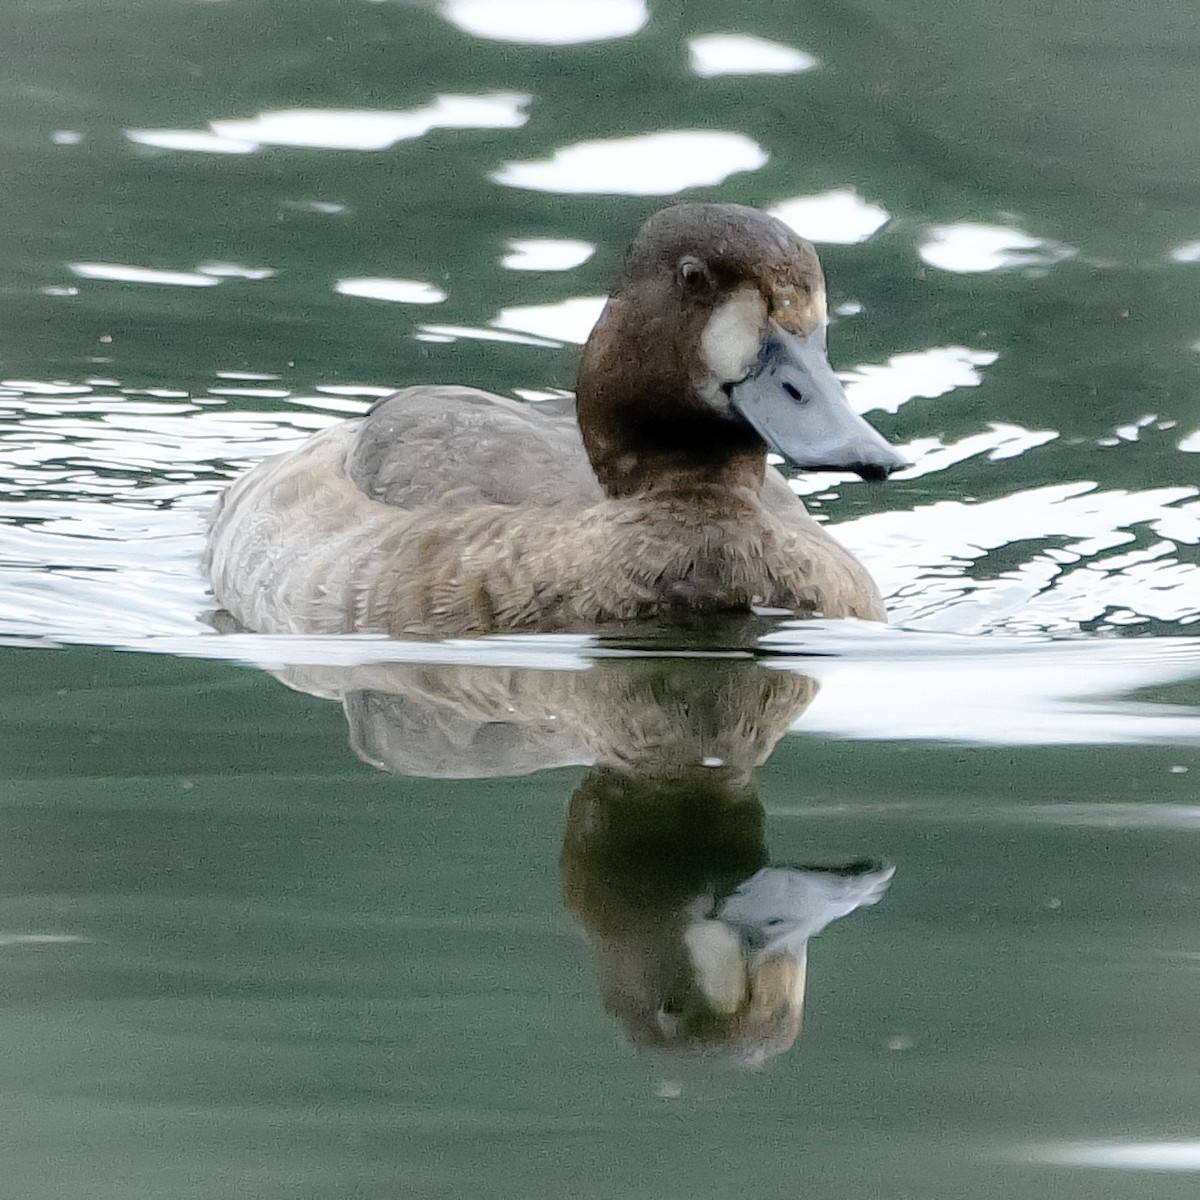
x=795 y=402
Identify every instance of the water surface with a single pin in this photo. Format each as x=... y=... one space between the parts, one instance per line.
x=531 y=916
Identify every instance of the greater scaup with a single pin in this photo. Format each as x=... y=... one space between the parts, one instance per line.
x=448 y=510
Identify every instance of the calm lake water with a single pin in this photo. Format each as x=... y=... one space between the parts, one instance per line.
x=305 y=919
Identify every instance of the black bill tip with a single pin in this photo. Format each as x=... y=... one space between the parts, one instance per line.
x=877 y=472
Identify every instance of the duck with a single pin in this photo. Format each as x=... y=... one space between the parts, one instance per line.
x=450 y=511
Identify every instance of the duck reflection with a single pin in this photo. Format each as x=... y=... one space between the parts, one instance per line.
x=702 y=942
x=703 y=947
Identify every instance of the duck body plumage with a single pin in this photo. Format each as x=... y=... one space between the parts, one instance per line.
x=449 y=510
x=485 y=516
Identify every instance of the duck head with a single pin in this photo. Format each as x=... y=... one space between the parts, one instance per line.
x=712 y=349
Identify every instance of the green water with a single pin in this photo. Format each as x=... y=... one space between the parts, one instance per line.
x=407 y=926
x=297 y=976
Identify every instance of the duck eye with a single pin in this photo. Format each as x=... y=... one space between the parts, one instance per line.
x=693 y=274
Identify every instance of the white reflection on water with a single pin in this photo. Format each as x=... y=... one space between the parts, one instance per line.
x=101 y=525
x=1132 y=431
x=196 y=141
x=742 y=54
x=925 y=373
x=987 y=692
x=227 y=270
x=931 y=562
x=968 y=247
x=1123 y=1156
x=547 y=22
x=998 y=441
x=118 y=273
x=839 y=217
x=325 y=208
x=343 y=129
x=451 y=333
x=399 y=291
x=108 y=445
x=646 y=164
x=1189 y=252
x=344 y=403
x=35 y=387
x=566 y=321
x=1107 y=815
x=546 y=254
x=42 y=939
x=262 y=393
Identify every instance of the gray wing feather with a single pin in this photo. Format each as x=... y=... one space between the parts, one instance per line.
x=460 y=447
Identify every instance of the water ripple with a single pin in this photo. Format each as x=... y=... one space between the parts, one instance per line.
x=106 y=487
